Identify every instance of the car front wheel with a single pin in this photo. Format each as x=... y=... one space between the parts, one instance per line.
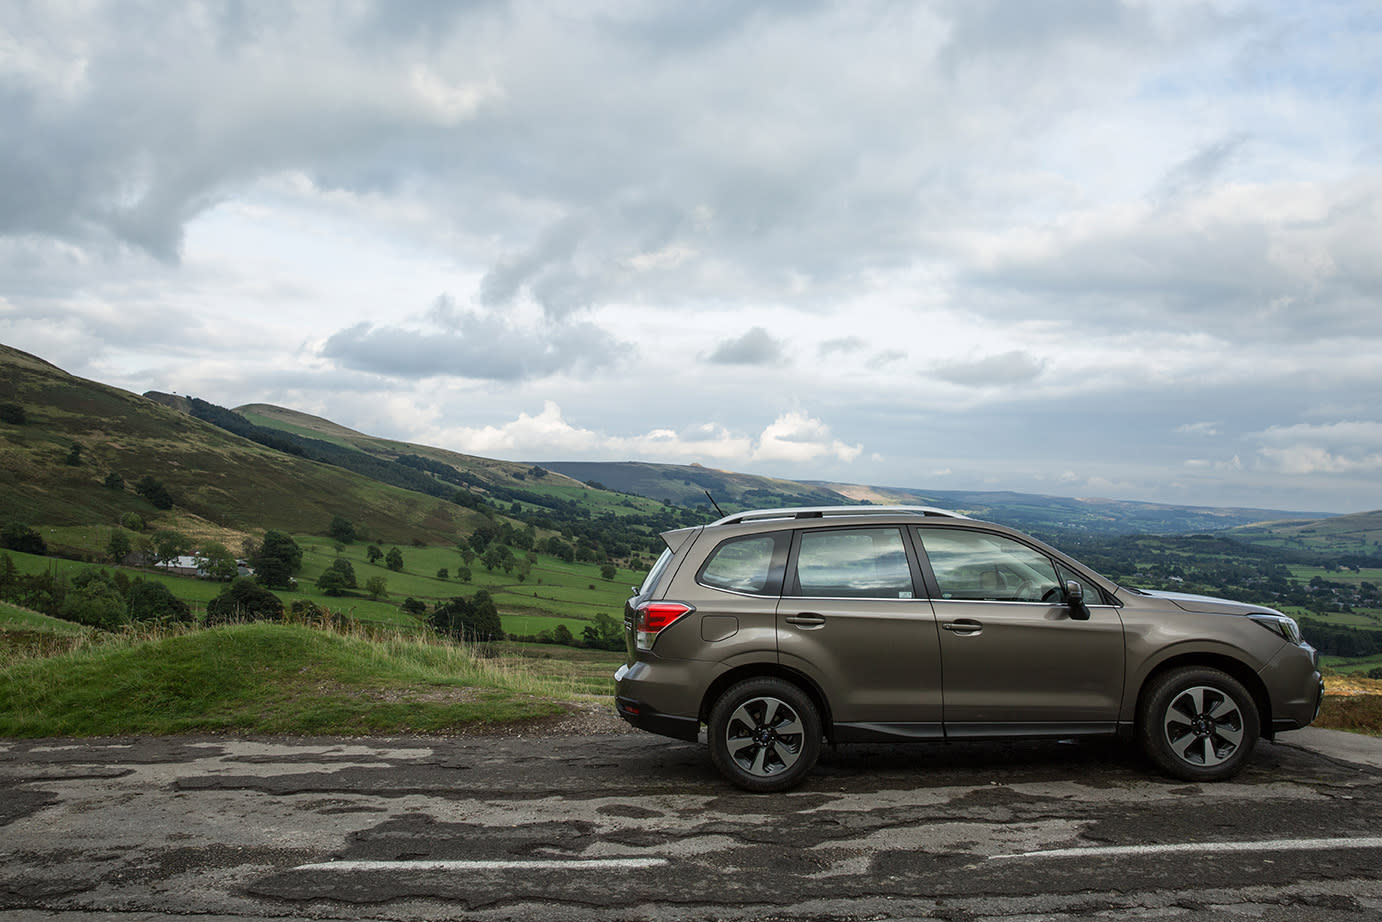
x=1198 y=724
x=764 y=734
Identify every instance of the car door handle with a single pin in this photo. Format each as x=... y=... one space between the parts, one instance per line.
x=965 y=627
x=805 y=620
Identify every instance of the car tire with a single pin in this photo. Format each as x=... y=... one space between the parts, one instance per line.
x=1198 y=724
x=764 y=734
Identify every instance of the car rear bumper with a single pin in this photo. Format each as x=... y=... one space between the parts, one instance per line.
x=636 y=698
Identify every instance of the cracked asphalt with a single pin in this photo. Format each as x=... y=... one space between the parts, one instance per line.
x=632 y=826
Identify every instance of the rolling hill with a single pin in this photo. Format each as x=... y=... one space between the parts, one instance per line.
x=223 y=486
x=236 y=473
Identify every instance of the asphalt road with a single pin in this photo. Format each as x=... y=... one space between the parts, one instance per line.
x=622 y=827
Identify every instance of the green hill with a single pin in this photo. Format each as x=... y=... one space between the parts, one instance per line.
x=223 y=486
x=1358 y=534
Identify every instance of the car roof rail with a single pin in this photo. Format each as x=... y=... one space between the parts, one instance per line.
x=819 y=512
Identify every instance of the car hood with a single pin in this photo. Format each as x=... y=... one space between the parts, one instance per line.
x=1206 y=604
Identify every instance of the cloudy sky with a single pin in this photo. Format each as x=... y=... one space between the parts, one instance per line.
x=1076 y=247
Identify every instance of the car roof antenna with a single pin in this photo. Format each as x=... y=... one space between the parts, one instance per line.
x=715 y=504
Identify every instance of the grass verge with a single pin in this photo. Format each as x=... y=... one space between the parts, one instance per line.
x=275 y=679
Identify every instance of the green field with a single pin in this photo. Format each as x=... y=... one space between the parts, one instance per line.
x=554 y=592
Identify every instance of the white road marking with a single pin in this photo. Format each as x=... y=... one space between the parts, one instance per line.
x=539 y=864
x=1267 y=845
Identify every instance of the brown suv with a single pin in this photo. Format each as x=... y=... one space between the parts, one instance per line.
x=780 y=629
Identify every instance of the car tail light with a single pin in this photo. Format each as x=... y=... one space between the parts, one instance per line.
x=652 y=617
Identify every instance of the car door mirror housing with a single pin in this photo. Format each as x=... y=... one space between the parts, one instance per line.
x=1074 y=596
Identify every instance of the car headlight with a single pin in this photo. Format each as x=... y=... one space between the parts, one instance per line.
x=1280 y=624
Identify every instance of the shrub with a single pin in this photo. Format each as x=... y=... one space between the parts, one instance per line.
x=243 y=600
x=151 y=601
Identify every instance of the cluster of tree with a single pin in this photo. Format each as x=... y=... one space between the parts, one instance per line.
x=339 y=579
x=351 y=459
x=153 y=490
x=95 y=597
x=1336 y=640
x=16 y=536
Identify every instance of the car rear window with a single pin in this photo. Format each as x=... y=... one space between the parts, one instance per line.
x=650 y=581
x=861 y=563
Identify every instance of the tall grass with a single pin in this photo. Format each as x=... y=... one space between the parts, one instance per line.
x=276 y=678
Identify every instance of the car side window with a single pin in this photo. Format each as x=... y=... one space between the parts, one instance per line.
x=746 y=564
x=865 y=563
x=978 y=566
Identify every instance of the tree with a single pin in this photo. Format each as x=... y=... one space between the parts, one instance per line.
x=118 y=548
x=154 y=491
x=278 y=558
x=463 y=574
x=560 y=549
x=347 y=572
x=331 y=582
x=373 y=553
x=473 y=619
x=394 y=559
x=342 y=530
x=169 y=545
x=13 y=414
x=74 y=455
x=153 y=601
x=95 y=600
x=562 y=634
x=217 y=562
x=605 y=634
x=18 y=537
x=243 y=600
x=337 y=578
x=608 y=571
x=377 y=587
x=443 y=573
x=133 y=521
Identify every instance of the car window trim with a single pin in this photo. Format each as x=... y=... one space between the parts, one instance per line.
x=933 y=590
x=791 y=584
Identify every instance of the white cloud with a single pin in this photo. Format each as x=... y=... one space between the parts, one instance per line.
x=1003 y=241
x=792 y=437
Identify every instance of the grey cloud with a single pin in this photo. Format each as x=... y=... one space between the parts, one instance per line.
x=473 y=346
x=541 y=266
x=1001 y=370
x=755 y=347
x=1195 y=172
x=844 y=344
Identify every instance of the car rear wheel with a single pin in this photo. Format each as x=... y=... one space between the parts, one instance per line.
x=764 y=734
x=1198 y=724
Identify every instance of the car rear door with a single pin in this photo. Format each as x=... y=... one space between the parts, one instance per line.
x=853 y=618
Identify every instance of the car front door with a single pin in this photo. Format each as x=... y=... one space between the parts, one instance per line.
x=1014 y=658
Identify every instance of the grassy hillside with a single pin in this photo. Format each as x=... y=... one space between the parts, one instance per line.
x=1357 y=534
x=685 y=485
x=223 y=486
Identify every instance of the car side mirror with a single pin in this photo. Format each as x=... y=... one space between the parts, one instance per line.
x=1074 y=597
